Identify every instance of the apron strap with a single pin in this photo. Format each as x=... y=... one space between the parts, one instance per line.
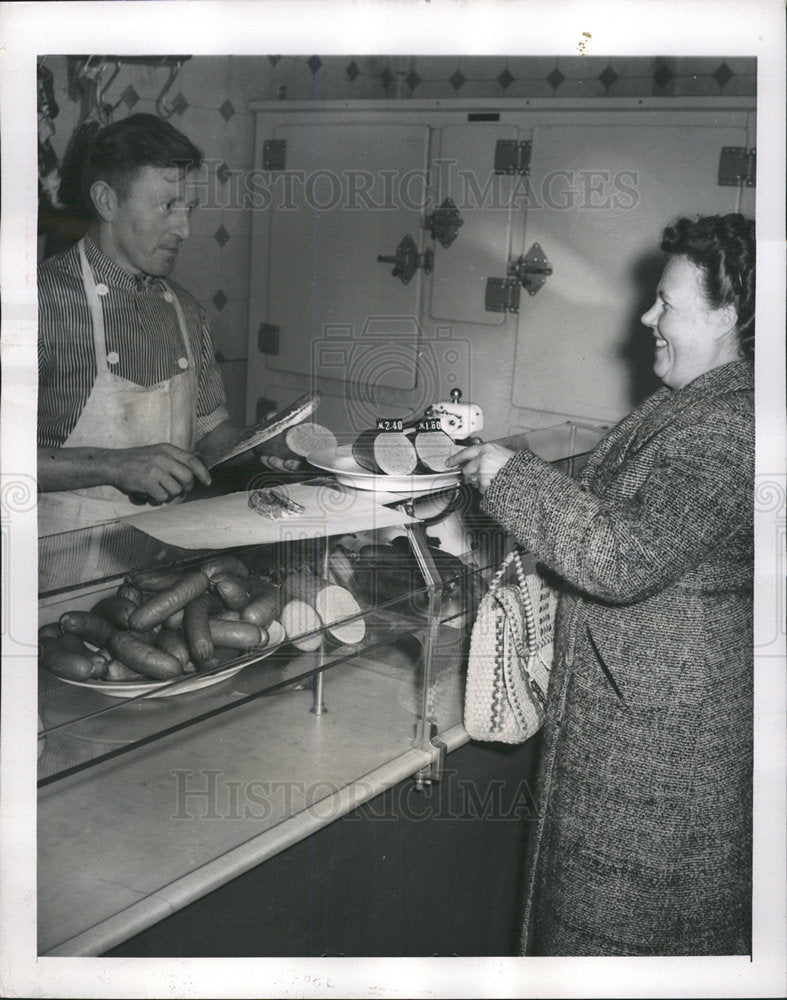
x=183 y=328
x=96 y=310
x=97 y=314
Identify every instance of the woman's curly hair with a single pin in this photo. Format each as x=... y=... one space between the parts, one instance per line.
x=723 y=247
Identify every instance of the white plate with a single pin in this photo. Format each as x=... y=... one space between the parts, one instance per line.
x=188 y=682
x=347 y=471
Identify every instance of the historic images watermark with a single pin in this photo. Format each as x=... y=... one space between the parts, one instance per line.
x=211 y=794
x=217 y=186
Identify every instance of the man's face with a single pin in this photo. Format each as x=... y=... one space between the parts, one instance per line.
x=147 y=227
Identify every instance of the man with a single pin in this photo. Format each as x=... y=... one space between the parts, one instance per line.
x=129 y=389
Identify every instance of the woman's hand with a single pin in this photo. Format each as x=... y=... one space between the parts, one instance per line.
x=277 y=463
x=481 y=463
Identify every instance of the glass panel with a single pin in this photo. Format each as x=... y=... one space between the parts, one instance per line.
x=396 y=603
x=369 y=589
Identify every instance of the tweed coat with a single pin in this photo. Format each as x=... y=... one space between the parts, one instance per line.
x=642 y=840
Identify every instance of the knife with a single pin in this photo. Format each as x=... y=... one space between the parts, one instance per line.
x=253 y=436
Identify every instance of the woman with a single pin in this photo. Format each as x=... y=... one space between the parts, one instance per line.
x=642 y=843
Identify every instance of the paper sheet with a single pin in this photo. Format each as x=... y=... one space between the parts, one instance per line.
x=223 y=522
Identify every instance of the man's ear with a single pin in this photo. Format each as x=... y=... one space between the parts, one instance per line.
x=105 y=200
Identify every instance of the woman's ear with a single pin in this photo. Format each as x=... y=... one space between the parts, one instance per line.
x=105 y=200
x=726 y=318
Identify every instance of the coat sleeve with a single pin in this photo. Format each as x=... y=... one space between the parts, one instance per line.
x=694 y=489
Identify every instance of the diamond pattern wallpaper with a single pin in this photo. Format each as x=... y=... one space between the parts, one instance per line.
x=207 y=97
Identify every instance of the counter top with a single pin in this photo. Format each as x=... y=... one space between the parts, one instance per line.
x=128 y=841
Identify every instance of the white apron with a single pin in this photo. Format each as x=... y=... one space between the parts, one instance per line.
x=121 y=414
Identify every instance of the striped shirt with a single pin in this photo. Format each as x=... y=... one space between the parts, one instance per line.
x=142 y=332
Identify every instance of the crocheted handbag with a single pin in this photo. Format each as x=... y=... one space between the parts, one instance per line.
x=510 y=657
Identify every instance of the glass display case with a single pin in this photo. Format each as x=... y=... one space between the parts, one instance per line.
x=375 y=594
x=153 y=791
x=154 y=788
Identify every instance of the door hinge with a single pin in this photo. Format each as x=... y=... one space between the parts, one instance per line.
x=502 y=295
x=512 y=157
x=737 y=166
x=529 y=271
x=268 y=338
x=274 y=154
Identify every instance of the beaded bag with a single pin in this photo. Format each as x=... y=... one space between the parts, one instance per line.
x=510 y=658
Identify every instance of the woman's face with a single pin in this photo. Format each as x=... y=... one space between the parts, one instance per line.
x=691 y=336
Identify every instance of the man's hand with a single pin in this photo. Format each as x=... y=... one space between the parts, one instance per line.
x=158 y=471
x=226 y=434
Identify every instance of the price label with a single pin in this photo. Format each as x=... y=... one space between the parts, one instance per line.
x=389 y=423
x=429 y=424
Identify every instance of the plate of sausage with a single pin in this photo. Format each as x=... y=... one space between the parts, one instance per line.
x=182 y=684
x=349 y=473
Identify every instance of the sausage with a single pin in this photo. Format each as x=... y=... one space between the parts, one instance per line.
x=154 y=580
x=51 y=631
x=165 y=603
x=173 y=641
x=97 y=658
x=387 y=452
x=258 y=585
x=221 y=655
x=88 y=626
x=117 y=671
x=229 y=616
x=301 y=625
x=130 y=649
x=264 y=609
x=76 y=645
x=433 y=448
x=231 y=590
x=236 y=635
x=176 y=620
x=116 y=610
x=131 y=593
x=62 y=662
x=195 y=625
x=224 y=564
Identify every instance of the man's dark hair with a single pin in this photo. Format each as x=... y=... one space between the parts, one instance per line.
x=120 y=150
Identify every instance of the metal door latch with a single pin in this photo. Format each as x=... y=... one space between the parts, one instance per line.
x=443 y=224
x=529 y=271
x=407 y=260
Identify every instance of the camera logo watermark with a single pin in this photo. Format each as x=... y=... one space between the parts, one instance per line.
x=390 y=360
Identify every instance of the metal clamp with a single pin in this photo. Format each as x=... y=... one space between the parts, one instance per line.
x=532 y=270
x=433 y=771
x=529 y=271
x=443 y=224
x=407 y=260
